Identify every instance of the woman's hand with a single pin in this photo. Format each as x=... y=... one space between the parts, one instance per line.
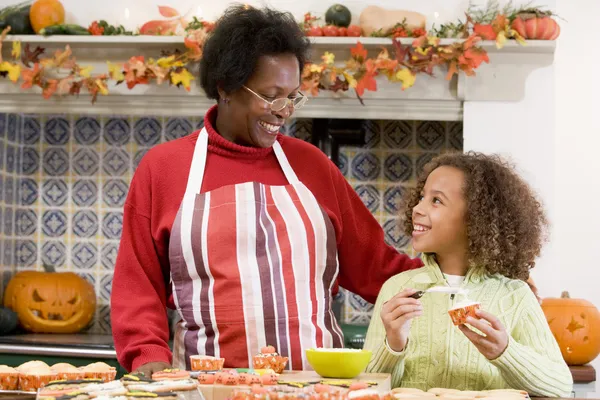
x=494 y=340
x=149 y=368
x=396 y=315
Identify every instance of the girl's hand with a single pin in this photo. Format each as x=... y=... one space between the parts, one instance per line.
x=396 y=315
x=494 y=340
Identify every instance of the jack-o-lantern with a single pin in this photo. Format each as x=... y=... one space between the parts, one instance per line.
x=51 y=302
x=573 y=323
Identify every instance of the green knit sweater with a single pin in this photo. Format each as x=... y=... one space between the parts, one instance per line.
x=439 y=355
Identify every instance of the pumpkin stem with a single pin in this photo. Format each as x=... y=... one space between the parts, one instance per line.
x=48 y=267
x=565 y=295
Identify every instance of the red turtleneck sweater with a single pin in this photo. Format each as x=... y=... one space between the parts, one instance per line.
x=141 y=290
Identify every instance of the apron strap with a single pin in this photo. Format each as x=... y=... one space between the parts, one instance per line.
x=194 y=184
x=289 y=173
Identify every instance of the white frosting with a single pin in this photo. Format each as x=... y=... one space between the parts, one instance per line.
x=362 y=392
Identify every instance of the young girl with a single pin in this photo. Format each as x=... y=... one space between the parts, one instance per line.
x=479 y=227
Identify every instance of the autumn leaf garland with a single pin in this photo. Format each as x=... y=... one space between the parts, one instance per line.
x=60 y=74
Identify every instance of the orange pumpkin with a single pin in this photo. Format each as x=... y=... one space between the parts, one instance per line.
x=575 y=324
x=51 y=302
x=536 y=26
x=45 y=13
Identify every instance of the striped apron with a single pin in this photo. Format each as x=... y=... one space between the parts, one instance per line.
x=252 y=265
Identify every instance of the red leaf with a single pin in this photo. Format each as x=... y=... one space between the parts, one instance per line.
x=359 y=52
x=159 y=27
x=31 y=57
x=401 y=50
x=168 y=12
x=367 y=82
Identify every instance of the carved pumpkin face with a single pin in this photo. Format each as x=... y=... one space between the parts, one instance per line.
x=575 y=324
x=49 y=302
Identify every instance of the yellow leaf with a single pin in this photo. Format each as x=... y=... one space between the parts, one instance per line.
x=423 y=51
x=16 y=50
x=86 y=72
x=115 y=71
x=500 y=40
x=169 y=62
x=350 y=79
x=101 y=87
x=406 y=77
x=183 y=77
x=433 y=40
x=316 y=68
x=328 y=58
x=520 y=39
x=14 y=70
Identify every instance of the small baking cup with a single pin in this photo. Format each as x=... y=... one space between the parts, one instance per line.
x=276 y=363
x=9 y=380
x=203 y=363
x=459 y=315
x=31 y=383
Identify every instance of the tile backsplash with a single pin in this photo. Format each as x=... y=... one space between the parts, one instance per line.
x=64 y=180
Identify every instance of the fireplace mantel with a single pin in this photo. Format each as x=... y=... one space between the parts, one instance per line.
x=503 y=79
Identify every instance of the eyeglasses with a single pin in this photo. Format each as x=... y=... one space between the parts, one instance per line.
x=282 y=102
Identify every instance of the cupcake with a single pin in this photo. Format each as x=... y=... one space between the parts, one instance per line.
x=206 y=363
x=67 y=372
x=462 y=310
x=9 y=378
x=269 y=359
x=30 y=365
x=35 y=376
x=100 y=370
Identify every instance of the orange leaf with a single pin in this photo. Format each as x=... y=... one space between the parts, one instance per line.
x=168 y=12
x=451 y=70
x=367 y=82
x=50 y=88
x=64 y=86
x=31 y=76
x=194 y=48
x=359 y=52
x=159 y=27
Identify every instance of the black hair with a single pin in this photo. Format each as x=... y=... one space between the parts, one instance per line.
x=241 y=36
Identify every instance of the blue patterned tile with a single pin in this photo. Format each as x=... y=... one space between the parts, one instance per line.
x=138 y=157
x=431 y=135
x=392 y=198
x=147 y=131
x=2 y=153
x=30 y=161
x=372 y=133
x=26 y=221
x=2 y=125
x=109 y=255
x=28 y=193
x=32 y=129
x=9 y=252
x=54 y=253
x=88 y=277
x=55 y=192
x=393 y=234
x=422 y=160
x=358 y=303
x=85 y=223
x=57 y=131
x=366 y=166
x=1 y=189
x=298 y=128
x=85 y=193
x=398 y=134
x=455 y=138
x=26 y=253
x=87 y=131
x=117 y=131
x=103 y=317
x=56 y=161
x=84 y=255
x=9 y=190
x=8 y=221
x=54 y=223
x=398 y=167
x=342 y=163
x=116 y=162
x=370 y=196
x=200 y=124
x=14 y=125
x=11 y=158
x=85 y=162
x=112 y=225
x=177 y=128
x=114 y=192
x=105 y=288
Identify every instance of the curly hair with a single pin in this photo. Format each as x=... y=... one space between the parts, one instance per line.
x=241 y=36
x=506 y=222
